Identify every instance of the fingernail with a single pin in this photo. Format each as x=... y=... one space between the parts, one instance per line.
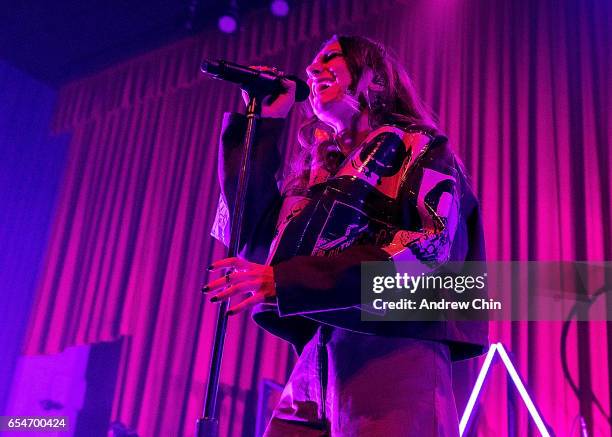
x=210 y=267
x=214 y=299
x=205 y=289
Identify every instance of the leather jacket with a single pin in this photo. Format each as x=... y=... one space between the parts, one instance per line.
x=400 y=195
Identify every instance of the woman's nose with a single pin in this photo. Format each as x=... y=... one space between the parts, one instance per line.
x=313 y=69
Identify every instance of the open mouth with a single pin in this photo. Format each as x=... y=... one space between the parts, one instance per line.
x=323 y=85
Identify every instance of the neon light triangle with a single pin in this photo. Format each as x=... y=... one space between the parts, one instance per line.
x=518 y=383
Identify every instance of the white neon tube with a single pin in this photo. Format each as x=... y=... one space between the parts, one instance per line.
x=476 y=390
x=522 y=390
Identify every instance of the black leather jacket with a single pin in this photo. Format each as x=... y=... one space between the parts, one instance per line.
x=317 y=248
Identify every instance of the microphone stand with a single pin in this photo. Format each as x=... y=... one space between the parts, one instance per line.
x=208 y=424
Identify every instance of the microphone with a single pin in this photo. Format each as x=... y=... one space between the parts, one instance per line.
x=264 y=82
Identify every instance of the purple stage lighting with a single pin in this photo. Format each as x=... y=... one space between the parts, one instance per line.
x=228 y=22
x=518 y=383
x=280 y=8
x=484 y=371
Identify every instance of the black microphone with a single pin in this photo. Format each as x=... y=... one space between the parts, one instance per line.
x=263 y=82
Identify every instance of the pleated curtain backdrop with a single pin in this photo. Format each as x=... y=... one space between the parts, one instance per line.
x=521 y=89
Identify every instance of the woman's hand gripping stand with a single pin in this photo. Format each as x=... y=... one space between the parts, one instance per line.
x=242 y=278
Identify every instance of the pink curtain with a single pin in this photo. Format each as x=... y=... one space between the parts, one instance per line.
x=522 y=90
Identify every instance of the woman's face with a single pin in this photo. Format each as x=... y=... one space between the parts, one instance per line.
x=329 y=79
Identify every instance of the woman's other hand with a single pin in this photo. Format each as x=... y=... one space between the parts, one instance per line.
x=281 y=105
x=242 y=278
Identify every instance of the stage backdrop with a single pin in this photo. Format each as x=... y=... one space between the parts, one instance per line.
x=521 y=88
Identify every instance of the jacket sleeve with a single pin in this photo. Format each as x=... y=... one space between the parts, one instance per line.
x=263 y=199
x=429 y=199
x=431 y=209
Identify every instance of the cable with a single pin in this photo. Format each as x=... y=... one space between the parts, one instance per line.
x=564 y=364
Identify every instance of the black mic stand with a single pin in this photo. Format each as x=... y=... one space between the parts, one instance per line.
x=208 y=424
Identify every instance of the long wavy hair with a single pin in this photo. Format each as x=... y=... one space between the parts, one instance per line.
x=394 y=102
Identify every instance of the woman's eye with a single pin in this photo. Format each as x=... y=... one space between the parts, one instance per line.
x=329 y=56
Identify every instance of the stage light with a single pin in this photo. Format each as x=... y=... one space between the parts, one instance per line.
x=518 y=384
x=228 y=21
x=484 y=371
x=228 y=24
x=280 y=8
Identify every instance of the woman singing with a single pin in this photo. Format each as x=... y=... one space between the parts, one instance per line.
x=374 y=181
